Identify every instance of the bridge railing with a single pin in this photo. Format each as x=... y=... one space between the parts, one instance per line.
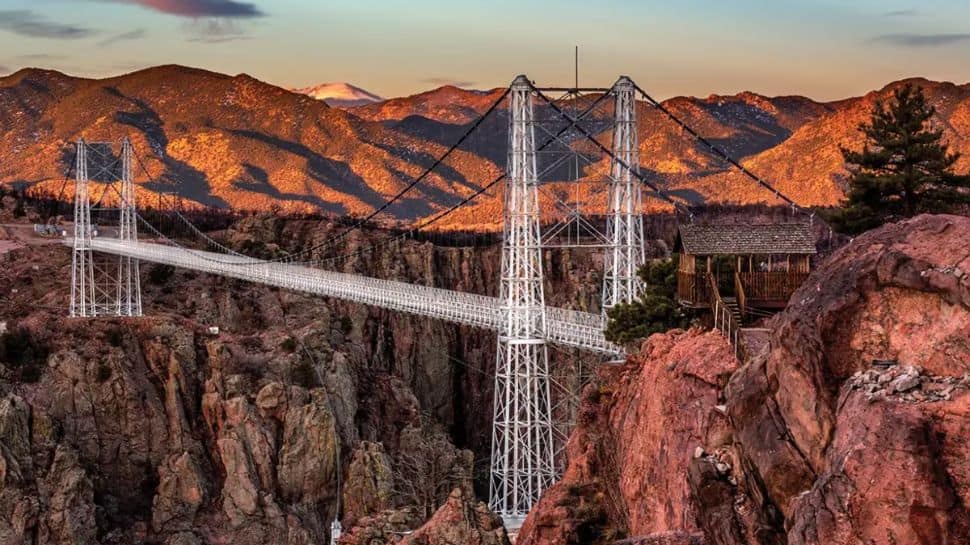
x=565 y=327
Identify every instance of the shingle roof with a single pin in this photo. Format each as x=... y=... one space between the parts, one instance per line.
x=742 y=239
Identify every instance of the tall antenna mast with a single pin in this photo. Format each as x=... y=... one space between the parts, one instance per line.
x=576 y=57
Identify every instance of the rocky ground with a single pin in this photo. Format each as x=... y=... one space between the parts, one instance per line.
x=851 y=427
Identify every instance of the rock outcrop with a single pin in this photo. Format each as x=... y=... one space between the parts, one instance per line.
x=637 y=432
x=850 y=427
x=460 y=520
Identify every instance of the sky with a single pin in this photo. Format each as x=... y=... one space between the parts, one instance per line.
x=822 y=49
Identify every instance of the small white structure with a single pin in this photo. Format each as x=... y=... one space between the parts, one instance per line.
x=336 y=530
x=213 y=330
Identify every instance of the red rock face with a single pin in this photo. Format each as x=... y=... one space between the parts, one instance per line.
x=821 y=444
x=629 y=454
x=898 y=293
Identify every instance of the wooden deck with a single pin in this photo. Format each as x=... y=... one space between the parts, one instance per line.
x=770 y=289
x=753 y=289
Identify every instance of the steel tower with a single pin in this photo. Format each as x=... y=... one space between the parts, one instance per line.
x=523 y=464
x=129 y=284
x=624 y=223
x=83 y=300
x=119 y=291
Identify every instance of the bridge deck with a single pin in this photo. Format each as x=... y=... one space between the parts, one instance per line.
x=564 y=327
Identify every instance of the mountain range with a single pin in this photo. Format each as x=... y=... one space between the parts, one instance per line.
x=234 y=141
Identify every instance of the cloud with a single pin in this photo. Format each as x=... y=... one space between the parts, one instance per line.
x=214 y=30
x=28 y=23
x=199 y=8
x=448 y=81
x=136 y=34
x=40 y=57
x=922 y=40
x=902 y=13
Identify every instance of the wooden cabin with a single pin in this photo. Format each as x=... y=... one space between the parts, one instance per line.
x=756 y=266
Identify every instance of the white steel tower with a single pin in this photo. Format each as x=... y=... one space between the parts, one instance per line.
x=83 y=301
x=129 y=284
x=523 y=464
x=98 y=288
x=624 y=222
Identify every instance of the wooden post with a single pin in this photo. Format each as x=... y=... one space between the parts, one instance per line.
x=716 y=312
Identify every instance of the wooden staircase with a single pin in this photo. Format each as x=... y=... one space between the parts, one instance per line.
x=732 y=304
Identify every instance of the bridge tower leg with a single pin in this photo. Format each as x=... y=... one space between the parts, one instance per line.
x=624 y=221
x=129 y=283
x=523 y=464
x=83 y=301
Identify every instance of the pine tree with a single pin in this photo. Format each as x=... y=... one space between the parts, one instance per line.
x=904 y=168
x=656 y=311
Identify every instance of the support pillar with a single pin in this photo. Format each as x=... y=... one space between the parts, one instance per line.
x=624 y=222
x=523 y=464
x=83 y=301
x=129 y=282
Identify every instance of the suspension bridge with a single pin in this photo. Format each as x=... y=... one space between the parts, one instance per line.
x=523 y=454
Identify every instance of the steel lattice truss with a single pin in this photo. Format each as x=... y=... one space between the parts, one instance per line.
x=102 y=286
x=528 y=422
x=624 y=224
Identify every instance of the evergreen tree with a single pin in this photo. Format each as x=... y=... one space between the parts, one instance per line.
x=656 y=311
x=904 y=168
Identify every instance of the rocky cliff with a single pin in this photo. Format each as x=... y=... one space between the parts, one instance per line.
x=851 y=427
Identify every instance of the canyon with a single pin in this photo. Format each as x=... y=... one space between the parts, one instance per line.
x=298 y=410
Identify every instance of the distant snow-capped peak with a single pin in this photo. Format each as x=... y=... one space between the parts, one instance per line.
x=340 y=94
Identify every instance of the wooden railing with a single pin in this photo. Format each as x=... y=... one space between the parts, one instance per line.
x=724 y=320
x=770 y=286
x=740 y=294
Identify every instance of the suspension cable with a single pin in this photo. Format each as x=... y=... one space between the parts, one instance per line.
x=609 y=153
x=717 y=150
x=330 y=242
x=572 y=122
x=411 y=185
x=196 y=230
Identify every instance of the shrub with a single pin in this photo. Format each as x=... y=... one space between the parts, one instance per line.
x=656 y=311
x=104 y=372
x=303 y=374
x=346 y=325
x=115 y=337
x=22 y=353
x=289 y=344
x=160 y=274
